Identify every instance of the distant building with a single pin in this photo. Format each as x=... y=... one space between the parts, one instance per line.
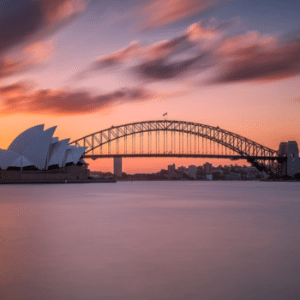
x=207 y=168
x=118 y=166
x=171 y=170
x=192 y=171
x=209 y=177
x=181 y=170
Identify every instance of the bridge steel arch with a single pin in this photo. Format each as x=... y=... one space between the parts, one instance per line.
x=261 y=157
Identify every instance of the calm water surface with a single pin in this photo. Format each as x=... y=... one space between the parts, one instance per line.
x=150 y=240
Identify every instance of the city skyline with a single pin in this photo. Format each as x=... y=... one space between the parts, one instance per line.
x=87 y=65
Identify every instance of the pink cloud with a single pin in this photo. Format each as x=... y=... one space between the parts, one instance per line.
x=31 y=57
x=157 y=56
x=255 y=57
x=22 y=98
x=57 y=11
x=31 y=21
x=159 y=13
x=40 y=52
x=112 y=60
x=243 y=57
x=9 y=67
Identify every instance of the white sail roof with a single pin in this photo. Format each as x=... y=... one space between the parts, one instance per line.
x=81 y=160
x=7 y=157
x=76 y=153
x=68 y=157
x=57 y=152
x=21 y=162
x=52 y=158
x=37 y=149
x=22 y=140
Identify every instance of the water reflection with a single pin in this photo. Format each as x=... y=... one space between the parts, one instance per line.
x=150 y=240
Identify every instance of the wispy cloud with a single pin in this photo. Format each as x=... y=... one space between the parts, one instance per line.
x=161 y=60
x=57 y=11
x=202 y=47
x=14 y=90
x=255 y=57
x=9 y=67
x=31 y=57
x=112 y=60
x=24 y=25
x=157 y=13
x=39 y=52
x=181 y=55
x=22 y=98
x=27 y=20
x=161 y=69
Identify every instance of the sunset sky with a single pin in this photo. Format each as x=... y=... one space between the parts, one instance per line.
x=87 y=65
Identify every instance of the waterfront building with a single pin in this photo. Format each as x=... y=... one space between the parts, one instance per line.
x=35 y=156
x=171 y=171
x=207 y=168
x=192 y=171
x=209 y=177
x=37 y=149
x=181 y=170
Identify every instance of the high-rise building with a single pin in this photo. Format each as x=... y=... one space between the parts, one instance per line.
x=171 y=170
x=181 y=170
x=207 y=168
x=118 y=166
x=192 y=171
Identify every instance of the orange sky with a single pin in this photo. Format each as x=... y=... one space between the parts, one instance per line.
x=267 y=122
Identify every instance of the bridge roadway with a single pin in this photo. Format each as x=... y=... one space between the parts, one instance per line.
x=232 y=157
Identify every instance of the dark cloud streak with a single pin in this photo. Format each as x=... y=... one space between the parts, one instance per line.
x=9 y=67
x=238 y=58
x=22 y=20
x=25 y=22
x=162 y=70
x=161 y=60
x=28 y=21
x=258 y=61
x=20 y=98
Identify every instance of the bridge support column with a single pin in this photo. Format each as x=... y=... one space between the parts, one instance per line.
x=118 y=166
x=291 y=165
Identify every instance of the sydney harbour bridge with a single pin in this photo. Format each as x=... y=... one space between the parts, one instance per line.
x=170 y=138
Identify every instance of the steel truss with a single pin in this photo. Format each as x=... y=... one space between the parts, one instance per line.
x=176 y=139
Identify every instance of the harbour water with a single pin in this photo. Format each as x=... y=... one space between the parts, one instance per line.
x=150 y=240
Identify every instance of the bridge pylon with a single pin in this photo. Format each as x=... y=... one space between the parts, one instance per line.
x=289 y=165
x=118 y=166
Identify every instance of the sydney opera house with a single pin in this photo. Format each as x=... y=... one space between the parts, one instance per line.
x=35 y=156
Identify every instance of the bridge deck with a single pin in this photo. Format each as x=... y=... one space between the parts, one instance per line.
x=233 y=157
